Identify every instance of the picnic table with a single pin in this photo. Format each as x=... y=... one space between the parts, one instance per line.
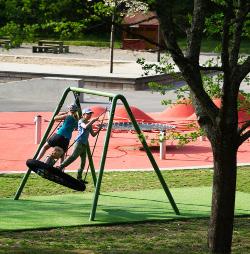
x=5 y=42
x=47 y=46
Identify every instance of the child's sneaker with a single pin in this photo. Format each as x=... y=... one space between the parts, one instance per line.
x=60 y=168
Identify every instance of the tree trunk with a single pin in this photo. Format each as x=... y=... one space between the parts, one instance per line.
x=223 y=197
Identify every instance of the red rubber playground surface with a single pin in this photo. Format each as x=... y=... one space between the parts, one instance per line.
x=17 y=135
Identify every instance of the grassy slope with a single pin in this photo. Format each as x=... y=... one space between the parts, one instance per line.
x=187 y=236
x=208 y=45
x=118 y=181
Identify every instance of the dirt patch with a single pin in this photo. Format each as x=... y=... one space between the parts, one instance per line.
x=51 y=60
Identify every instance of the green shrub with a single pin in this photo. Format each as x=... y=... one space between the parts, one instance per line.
x=14 y=32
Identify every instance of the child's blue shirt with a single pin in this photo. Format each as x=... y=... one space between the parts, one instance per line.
x=68 y=126
x=83 y=134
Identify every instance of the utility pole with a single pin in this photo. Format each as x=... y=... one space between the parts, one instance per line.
x=112 y=39
x=159 y=41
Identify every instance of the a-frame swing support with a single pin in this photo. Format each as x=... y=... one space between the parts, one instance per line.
x=114 y=98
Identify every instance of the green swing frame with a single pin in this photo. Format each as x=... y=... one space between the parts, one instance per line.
x=98 y=179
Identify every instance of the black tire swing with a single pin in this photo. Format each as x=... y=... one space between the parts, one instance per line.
x=57 y=176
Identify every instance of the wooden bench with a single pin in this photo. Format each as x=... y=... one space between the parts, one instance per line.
x=44 y=42
x=45 y=49
x=59 y=47
x=5 y=43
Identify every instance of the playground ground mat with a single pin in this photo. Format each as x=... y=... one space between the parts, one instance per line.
x=40 y=212
x=17 y=135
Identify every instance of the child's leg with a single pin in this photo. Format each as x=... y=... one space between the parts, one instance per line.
x=43 y=151
x=83 y=161
x=62 y=158
x=75 y=154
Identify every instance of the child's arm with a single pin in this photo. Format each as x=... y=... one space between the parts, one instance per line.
x=61 y=116
x=85 y=126
x=94 y=133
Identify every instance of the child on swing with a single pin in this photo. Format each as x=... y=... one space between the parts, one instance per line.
x=84 y=129
x=64 y=133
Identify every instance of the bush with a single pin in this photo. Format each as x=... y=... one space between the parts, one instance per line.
x=14 y=32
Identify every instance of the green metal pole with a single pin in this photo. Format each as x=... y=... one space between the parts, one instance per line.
x=91 y=165
x=103 y=159
x=150 y=156
x=26 y=176
x=93 y=92
x=77 y=101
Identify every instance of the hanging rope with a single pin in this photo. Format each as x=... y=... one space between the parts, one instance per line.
x=54 y=130
x=103 y=113
x=93 y=150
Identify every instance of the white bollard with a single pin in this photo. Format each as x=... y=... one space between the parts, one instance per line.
x=203 y=138
x=38 y=129
x=162 y=145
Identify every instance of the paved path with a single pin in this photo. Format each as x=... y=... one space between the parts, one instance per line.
x=81 y=60
x=85 y=52
x=27 y=96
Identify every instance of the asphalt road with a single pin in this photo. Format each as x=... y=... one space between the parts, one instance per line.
x=30 y=96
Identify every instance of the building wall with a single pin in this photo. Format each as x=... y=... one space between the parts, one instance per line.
x=131 y=41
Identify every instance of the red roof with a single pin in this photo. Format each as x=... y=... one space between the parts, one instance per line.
x=138 y=17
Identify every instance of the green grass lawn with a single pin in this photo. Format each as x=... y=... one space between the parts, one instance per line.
x=120 y=181
x=102 y=40
x=211 y=45
x=178 y=236
x=208 y=45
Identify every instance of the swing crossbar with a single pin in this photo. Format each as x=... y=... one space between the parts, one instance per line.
x=93 y=92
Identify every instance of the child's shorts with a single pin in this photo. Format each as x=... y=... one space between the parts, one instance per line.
x=58 y=140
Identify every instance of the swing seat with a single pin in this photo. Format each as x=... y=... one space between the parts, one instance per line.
x=55 y=175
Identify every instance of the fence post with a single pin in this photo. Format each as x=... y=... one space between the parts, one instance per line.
x=162 y=145
x=203 y=138
x=38 y=129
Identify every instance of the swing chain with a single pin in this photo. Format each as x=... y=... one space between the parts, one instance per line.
x=92 y=153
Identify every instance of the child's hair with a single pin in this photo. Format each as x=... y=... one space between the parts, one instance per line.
x=73 y=108
x=57 y=152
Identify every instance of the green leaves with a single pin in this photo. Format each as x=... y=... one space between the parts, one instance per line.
x=127 y=7
x=14 y=33
x=67 y=29
x=165 y=66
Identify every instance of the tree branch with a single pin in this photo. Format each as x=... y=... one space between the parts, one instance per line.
x=243 y=138
x=189 y=67
x=239 y=23
x=164 y=12
x=244 y=127
x=126 y=29
x=211 y=68
x=194 y=36
x=243 y=69
x=226 y=37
